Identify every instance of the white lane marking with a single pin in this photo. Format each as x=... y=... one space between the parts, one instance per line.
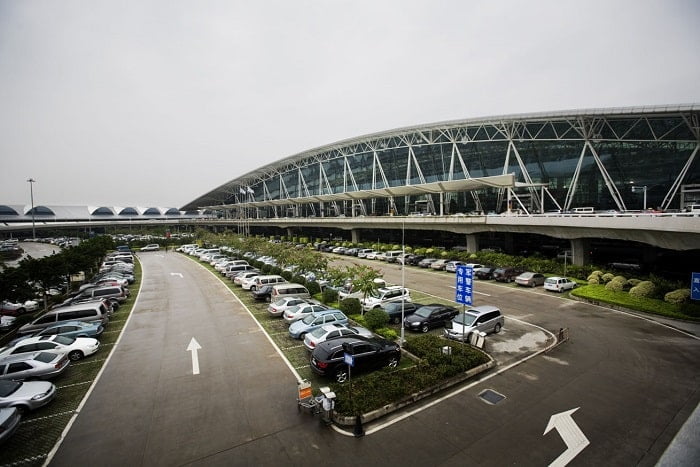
x=194 y=347
x=570 y=433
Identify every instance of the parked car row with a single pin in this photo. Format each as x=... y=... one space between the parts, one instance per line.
x=44 y=348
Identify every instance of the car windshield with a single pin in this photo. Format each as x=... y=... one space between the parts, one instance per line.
x=293 y=309
x=8 y=387
x=309 y=319
x=424 y=312
x=46 y=357
x=318 y=332
x=550 y=280
x=64 y=340
x=527 y=275
x=464 y=319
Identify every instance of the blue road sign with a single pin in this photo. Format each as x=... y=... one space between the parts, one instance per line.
x=695 y=286
x=349 y=359
x=463 y=285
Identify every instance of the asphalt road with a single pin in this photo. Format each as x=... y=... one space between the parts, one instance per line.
x=624 y=386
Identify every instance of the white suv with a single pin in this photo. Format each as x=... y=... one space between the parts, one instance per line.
x=385 y=295
x=558 y=284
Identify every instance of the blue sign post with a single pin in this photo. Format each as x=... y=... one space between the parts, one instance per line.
x=463 y=285
x=695 y=286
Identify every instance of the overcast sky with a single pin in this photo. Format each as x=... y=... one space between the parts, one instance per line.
x=154 y=103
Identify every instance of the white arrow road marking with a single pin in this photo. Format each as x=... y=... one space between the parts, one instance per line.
x=176 y=274
x=572 y=435
x=194 y=347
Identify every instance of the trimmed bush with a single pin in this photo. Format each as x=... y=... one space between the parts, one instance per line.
x=350 y=306
x=387 y=333
x=313 y=287
x=621 y=279
x=614 y=286
x=376 y=318
x=330 y=295
x=607 y=277
x=594 y=280
x=677 y=297
x=632 y=282
x=643 y=289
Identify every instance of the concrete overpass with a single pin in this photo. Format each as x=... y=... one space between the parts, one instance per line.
x=673 y=231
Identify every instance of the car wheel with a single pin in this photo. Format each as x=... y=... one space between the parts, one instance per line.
x=341 y=376
x=393 y=362
x=533 y=285
x=497 y=328
x=75 y=355
x=425 y=328
x=396 y=320
x=253 y=288
x=21 y=311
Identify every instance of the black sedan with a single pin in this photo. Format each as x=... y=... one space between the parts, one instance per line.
x=430 y=316
x=393 y=309
x=368 y=353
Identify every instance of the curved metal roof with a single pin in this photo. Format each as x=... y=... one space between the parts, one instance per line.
x=209 y=198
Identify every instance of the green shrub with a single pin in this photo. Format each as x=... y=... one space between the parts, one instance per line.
x=265 y=268
x=594 y=280
x=614 y=286
x=643 y=289
x=607 y=277
x=330 y=295
x=621 y=279
x=350 y=306
x=387 y=333
x=313 y=287
x=297 y=279
x=376 y=318
x=677 y=297
x=287 y=275
x=632 y=282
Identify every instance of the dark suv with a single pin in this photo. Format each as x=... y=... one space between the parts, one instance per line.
x=368 y=353
x=394 y=310
x=505 y=274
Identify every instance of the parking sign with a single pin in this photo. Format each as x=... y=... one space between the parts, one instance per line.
x=463 y=285
x=695 y=286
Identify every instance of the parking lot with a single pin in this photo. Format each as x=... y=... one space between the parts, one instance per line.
x=240 y=408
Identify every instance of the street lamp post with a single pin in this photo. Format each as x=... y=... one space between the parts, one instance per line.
x=31 y=194
x=403 y=274
x=637 y=189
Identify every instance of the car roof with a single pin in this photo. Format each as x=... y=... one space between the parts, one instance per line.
x=23 y=356
x=480 y=310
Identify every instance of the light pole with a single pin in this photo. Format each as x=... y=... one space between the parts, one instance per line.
x=637 y=189
x=403 y=273
x=31 y=194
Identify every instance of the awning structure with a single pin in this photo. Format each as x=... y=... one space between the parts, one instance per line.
x=470 y=184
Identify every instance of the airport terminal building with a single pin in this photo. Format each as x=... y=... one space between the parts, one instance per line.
x=625 y=177
x=606 y=159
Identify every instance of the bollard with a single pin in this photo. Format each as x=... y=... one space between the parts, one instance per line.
x=358 y=431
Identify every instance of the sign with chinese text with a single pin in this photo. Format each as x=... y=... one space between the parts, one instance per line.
x=463 y=285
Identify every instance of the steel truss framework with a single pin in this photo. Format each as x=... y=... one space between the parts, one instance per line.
x=558 y=161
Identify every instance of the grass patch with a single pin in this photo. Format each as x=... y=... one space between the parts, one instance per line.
x=599 y=293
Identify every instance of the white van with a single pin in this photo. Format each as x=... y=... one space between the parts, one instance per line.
x=392 y=256
x=259 y=281
x=289 y=290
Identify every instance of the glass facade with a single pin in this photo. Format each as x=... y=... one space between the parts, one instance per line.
x=582 y=159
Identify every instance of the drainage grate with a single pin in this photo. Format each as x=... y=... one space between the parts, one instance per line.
x=491 y=396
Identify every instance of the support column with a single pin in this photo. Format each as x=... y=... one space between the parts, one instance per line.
x=508 y=241
x=355 y=236
x=290 y=232
x=581 y=251
x=472 y=243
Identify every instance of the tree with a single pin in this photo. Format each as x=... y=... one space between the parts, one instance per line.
x=363 y=278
